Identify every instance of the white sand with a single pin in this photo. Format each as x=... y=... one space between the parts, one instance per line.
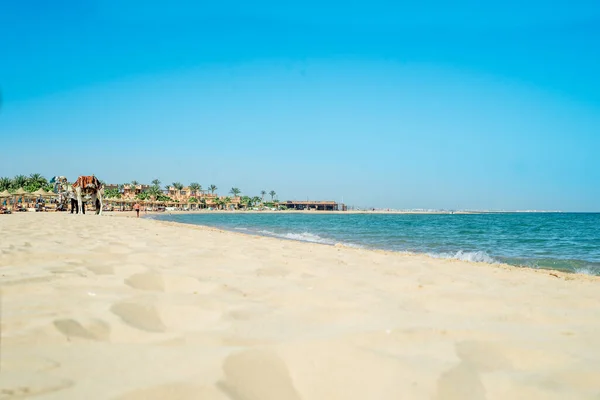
x=124 y=308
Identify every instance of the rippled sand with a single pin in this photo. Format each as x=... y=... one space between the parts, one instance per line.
x=123 y=308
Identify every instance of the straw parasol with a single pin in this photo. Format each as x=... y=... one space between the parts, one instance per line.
x=20 y=193
x=43 y=193
x=50 y=194
x=5 y=195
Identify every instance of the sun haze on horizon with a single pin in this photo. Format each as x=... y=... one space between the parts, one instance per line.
x=469 y=106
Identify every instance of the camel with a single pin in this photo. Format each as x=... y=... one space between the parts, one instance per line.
x=92 y=186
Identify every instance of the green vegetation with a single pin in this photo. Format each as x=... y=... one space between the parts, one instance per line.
x=29 y=183
x=34 y=182
x=195 y=187
x=112 y=193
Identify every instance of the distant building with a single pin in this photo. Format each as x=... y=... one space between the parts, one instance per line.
x=132 y=191
x=312 y=205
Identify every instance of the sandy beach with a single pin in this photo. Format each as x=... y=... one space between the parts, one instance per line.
x=122 y=308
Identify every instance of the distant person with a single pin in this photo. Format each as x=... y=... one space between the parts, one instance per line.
x=74 y=205
x=136 y=207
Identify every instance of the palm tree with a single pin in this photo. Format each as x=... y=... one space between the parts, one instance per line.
x=156 y=182
x=154 y=191
x=195 y=187
x=134 y=183
x=262 y=196
x=226 y=201
x=5 y=184
x=38 y=180
x=212 y=189
x=218 y=203
x=272 y=194
x=19 y=181
x=256 y=200
x=177 y=185
x=112 y=193
x=235 y=192
x=246 y=201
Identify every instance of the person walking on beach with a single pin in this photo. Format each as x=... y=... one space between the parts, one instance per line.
x=136 y=207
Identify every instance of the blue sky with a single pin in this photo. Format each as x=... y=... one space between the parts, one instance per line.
x=469 y=105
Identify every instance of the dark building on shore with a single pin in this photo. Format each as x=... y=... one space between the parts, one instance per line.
x=314 y=205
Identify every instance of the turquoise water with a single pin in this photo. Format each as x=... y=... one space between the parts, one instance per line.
x=563 y=241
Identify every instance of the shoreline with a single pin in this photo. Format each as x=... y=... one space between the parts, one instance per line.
x=551 y=271
x=350 y=212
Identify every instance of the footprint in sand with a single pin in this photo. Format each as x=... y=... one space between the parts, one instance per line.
x=96 y=330
x=146 y=281
x=140 y=316
x=257 y=375
x=464 y=381
x=19 y=385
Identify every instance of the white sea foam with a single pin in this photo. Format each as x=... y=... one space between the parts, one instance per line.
x=471 y=256
x=304 y=237
x=588 y=270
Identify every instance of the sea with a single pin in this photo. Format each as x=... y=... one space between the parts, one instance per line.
x=567 y=242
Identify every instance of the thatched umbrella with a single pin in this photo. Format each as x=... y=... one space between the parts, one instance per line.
x=20 y=192
x=43 y=193
x=50 y=194
x=5 y=195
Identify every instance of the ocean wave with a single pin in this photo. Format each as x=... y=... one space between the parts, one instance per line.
x=303 y=237
x=309 y=237
x=471 y=256
x=587 y=270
